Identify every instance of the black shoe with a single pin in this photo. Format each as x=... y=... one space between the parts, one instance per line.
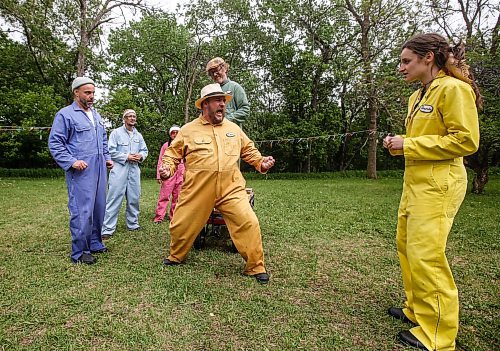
x=85 y=258
x=135 y=229
x=105 y=236
x=399 y=314
x=262 y=278
x=103 y=250
x=407 y=338
x=167 y=262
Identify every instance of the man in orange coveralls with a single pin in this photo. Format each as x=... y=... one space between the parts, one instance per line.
x=211 y=147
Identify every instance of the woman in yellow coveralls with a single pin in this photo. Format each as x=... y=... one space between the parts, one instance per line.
x=211 y=147
x=441 y=127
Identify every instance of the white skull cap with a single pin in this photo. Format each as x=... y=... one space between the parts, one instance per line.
x=79 y=81
x=174 y=128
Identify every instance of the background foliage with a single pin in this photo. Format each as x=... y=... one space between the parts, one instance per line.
x=309 y=67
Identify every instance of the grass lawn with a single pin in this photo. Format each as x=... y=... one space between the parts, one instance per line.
x=329 y=245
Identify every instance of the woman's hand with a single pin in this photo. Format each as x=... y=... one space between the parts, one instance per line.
x=393 y=142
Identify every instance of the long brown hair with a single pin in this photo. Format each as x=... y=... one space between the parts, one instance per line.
x=451 y=59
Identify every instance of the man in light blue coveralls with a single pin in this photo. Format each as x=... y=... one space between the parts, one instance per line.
x=78 y=144
x=127 y=149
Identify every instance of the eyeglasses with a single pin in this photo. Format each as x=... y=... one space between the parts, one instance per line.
x=217 y=69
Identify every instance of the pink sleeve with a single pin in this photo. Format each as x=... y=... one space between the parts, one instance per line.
x=158 y=166
x=181 y=169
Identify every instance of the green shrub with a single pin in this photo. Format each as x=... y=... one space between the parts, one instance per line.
x=150 y=173
x=31 y=172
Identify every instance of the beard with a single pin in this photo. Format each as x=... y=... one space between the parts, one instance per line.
x=86 y=103
x=130 y=124
x=216 y=115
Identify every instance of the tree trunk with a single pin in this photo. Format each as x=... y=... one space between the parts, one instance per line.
x=188 y=97
x=366 y=57
x=193 y=64
x=84 y=40
x=309 y=142
x=315 y=90
x=479 y=163
x=480 y=179
x=371 y=168
x=344 y=162
x=343 y=145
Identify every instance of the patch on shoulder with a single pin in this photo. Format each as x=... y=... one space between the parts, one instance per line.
x=426 y=108
x=230 y=134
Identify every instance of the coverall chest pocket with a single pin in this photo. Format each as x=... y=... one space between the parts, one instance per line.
x=231 y=146
x=122 y=145
x=84 y=132
x=203 y=145
x=426 y=112
x=427 y=122
x=134 y=145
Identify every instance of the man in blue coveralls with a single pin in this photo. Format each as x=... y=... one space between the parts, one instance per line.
x=78 y=144
x=127 y=149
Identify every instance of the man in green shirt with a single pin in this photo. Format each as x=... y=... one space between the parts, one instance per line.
x=238 y=109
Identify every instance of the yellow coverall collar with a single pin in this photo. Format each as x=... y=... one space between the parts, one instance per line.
x=436 y=81
x=204 y=121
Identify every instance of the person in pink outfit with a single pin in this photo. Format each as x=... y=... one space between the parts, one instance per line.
x=171 y=186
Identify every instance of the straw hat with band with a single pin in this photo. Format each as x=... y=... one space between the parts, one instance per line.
x=211 y=90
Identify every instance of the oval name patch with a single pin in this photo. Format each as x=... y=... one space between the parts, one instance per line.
x=230 y=134
x=426 y=108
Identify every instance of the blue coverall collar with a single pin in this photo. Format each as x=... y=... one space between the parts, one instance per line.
x=77 y=107
x=134 y=130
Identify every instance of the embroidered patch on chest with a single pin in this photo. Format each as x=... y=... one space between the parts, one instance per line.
x=230 y=134
x=426 y=108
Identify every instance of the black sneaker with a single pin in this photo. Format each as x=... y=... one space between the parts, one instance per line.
x=262 y=278
x=135 y=229
x=399 y=314
x=167 y=262
x=85 y=258
x=103 y=250
x=407 y=338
